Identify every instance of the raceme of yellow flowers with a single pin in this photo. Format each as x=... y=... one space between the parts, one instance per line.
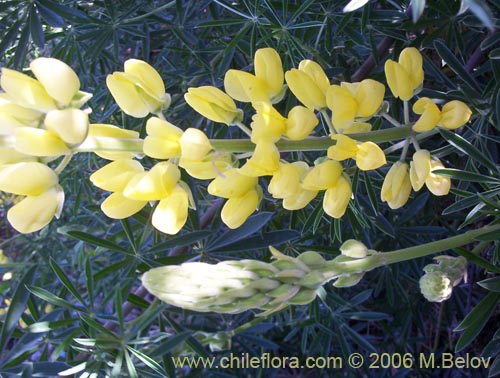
x=42 y=126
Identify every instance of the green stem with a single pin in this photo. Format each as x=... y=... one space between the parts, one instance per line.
x=406 y=113
x=64 y=162
x=244 y=128
x=328 y=121
x=334 y=269
x=110 y=144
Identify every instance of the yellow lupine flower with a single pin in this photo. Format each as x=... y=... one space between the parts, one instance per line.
x=420 y=168
x=437 y=185
x=267 y=124
x=171 y=213
x=344 y=148
x=286 y=180
x=154 y=184
x=357 y=127
x=300 y=199
x=454 y=114
x=15 y=115
x=264 y=161
x=211 y=166
x=115 y=132
x=26 y=91
x=27 y=178
x=58 y=79
x=309 y=84
x=39 y=142
x=10 y=155
x=231 y=184
x=162 y=141
x=343 y=105
x=269 y=68
x=195 y=145
x=71 y=125
x=405 y=76
x=245 y=87
x=397 y=186
x=322 y=176
x=214 y=104
x=236 y=210
x=370 y=156
x=430 y=114
x=336 y=198
x=139 y=90
x=35 y=212
x=117 y=206
x=300 y=123
x=114 y=176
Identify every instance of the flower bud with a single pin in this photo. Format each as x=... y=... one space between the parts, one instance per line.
x=195 y=145
x=370 y=156
x=309 y=84
x=236 y=210
x=162 y=141
x=430 y=114
x=348 y=280
x=231 y=184
x=397 y=186
x=214 y=104
x=322 y=176
x=405 y=76
x=436 y=286
x=336 y=198
x=437 y=185
x=245 y=87
x=71 y=125
x=171 y=213
x=420 y=168
x=269 y=69
x=354 y=248
x=454 y=115
x=300 y=123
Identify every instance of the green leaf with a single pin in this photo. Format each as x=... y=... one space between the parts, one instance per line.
x=475 y=321
x=353 y=5
x=259 y=241
x=478 y=260
x=179 y=241
x=481 y=11
x=50 y=17
x=36 y=29
x=417 y=8
x=466 y=176
x=171 y=343
x=148 y=361
x=91 y=239
x=17 y=307
x=65 y=280
x=132 y=373
x=464 y=145
x=491 y=284
x=53 y=299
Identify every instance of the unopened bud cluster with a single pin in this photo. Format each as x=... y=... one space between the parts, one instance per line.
x=439 y=279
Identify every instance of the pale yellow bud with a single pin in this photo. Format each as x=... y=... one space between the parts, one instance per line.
x=454 y=115
x=35 y=212
x=26 y=91
x=146 y=78
x=269 y=68
x=114 y=176
x=245 y=87
x=308 y=84
x=231 y=184
x=300 y=123
x=171 y=213
x=128 y=96
x=26 y=178
x=162 y=141
x=430 y=114
x=370 y=156
x=264 y=161
x=420 y=168
x=322 y=176
x=71 y=125
x=316 y=73
x=58 y=79
x=195 y=145
x=437 y=185
x=155 y=184
x=286 y=180
x=396 y=187
x=343 y=105
x=411 y=59
x=236 y=210
x=336 y=198
x=369 y=95
x=39 y=142
x=116 y=206
x=214 y=104
x=354 y=248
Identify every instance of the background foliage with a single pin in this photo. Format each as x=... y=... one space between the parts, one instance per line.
x=74 y=302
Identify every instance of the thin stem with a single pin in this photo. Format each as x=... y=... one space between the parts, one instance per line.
x=405 y=150
x=406 y=113
x=391 y=120
x=64 y=162
x=328 y=121
x=244 y=128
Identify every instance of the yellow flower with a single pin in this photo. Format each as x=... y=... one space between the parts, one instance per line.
x=117 y=206
x=211 y=166
x=437 y=185
x=155 y=184
x=26 y=91
x=10 y=155
x=171 y=213
x=336 y=198
x=309 y=84
x=195 y=145
x=139 y=90
x=115 y=132
x=300 y=123
x=420 y=168
x=454 y=115
x=268 y=124
x=114 y=176
x=13 y=115
x=430 y=114
x=286 y=180
x=58 y=79
x=236 y=210
x=322 y=176
x=405 y=76
x=231 y=184
x=265 y=85
x=264 y=161
x=368 y=155
x=396 y=187
x=214 y=104
x=162 y=141
x=300 y=199
x=354 y=100
x=71 y=125
x=39 y=142
x=27 y=178
x=35 y=212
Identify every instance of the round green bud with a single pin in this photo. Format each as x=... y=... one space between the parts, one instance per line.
x=436 y=286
